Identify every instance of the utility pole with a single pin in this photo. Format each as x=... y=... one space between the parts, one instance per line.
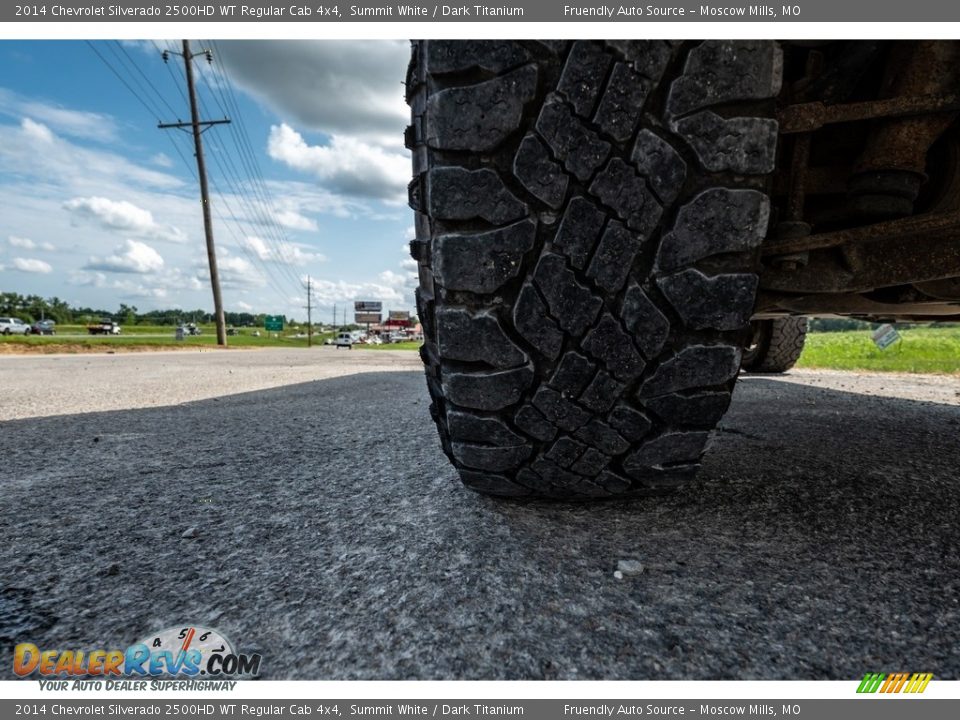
x=309 y=317
x=195 y=124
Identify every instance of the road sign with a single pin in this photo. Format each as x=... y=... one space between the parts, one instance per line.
x=364 y=318
x=273 y=323
x=885 y=336
x=368 y=306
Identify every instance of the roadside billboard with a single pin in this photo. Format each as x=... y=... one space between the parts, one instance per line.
x=367 y=312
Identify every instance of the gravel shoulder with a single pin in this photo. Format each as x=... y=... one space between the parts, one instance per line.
x=48 y=385
x=330 y=534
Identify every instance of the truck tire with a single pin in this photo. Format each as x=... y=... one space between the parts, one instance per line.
x=588 y=218
x=776 y=345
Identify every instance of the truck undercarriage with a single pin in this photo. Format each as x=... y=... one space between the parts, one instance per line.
x=866 y=198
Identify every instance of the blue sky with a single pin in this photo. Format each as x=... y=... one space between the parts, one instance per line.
x=99 y=207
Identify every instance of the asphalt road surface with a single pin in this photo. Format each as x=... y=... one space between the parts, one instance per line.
x=318 y=524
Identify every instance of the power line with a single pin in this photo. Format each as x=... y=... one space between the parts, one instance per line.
x=152 y=110
x=146 y=93
x=235 y=185
x=232 y=178
x=242 y=140
x=173 y=76
x=253 y=257
x=254 y=201
x=118 y=46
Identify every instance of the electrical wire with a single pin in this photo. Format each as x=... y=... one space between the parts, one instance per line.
x=141 y=90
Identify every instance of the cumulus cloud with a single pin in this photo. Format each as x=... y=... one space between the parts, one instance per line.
x=132 y=256
x=235 y=273
x=305 y=198
x=328 y=292
x=123 y=216
x=346 y=165
x=404 y=282
x=285 y=254
x=337 y=87
x=31 y=265
x=118 y=215
x=76 y=123
x=36 y=131
x=32 y=150
x=28 y=244
x=295 y=221
x=83 y=278
x=393 y=289
x=159 y=286
x=131 y=289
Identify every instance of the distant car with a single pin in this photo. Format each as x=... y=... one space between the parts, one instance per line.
x=44 y=327
x=13 y=326
x=345 y=339
x=106 y=326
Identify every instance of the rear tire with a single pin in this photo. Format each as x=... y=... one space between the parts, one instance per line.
x=776 y=345
x=587 y=236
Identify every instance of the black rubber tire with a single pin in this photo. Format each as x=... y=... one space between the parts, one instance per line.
x=776 y=346
x=587 y=233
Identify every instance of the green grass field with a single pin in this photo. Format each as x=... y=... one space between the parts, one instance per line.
x=74 y=339
x=922 y=350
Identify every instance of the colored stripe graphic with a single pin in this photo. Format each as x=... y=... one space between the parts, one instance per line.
x=919 y=682
x=870 y=683
x=894 y=682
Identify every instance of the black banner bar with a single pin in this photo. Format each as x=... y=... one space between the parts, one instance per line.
x=224 y=706
x=313 y=11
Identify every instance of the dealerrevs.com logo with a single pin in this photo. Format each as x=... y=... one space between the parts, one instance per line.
x=188 y=652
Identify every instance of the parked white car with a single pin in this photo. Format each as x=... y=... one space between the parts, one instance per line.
x=13 y=326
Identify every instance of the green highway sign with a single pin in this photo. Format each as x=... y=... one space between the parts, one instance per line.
x=273 y=322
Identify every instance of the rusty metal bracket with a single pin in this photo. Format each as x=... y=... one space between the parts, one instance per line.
x=807 y=117
x=891 y=229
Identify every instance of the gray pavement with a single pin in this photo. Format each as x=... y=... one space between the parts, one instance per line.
x=47 y=385
x=820 y=541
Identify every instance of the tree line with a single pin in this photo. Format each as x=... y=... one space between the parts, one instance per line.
x=32 y=308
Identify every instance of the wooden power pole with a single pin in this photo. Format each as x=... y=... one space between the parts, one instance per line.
x=309 y=316
x=197 y=127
